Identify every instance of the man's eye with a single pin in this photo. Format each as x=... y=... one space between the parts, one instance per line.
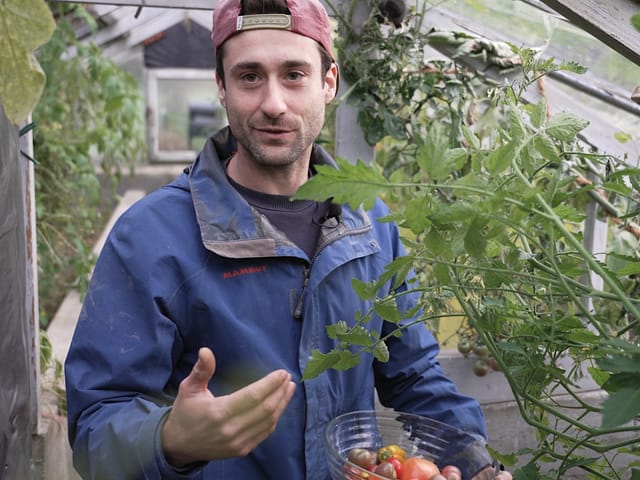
x=250 y=77
x=294 y=75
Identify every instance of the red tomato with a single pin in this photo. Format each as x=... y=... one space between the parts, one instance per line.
x=419 y=469
x=397 y=465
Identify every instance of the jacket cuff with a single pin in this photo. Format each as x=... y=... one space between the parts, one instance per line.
x=167 y=470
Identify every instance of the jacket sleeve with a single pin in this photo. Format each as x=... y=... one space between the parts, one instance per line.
x=119 y=365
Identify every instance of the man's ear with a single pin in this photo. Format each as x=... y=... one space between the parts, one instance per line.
x=331 y=83
x=221 y=90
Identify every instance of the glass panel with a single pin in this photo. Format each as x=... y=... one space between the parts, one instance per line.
x=525 y=25
x=188 y=112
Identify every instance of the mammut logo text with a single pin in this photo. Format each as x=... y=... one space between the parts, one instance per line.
x=244 y=271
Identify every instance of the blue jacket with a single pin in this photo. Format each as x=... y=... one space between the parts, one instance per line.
x=194 y=265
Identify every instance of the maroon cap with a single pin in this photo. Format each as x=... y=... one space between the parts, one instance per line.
x=307 y=17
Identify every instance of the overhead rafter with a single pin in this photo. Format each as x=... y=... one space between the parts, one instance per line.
x=607 y=20
x=181 y=4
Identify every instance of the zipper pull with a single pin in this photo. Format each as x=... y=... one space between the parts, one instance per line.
x=297 y=314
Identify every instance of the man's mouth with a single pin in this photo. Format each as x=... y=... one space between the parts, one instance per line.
x=273 y=132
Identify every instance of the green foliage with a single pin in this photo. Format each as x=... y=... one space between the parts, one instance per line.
x=367 y=185
x=90 y=108
x=491 y=193
x=26 y=24
x=635 y=21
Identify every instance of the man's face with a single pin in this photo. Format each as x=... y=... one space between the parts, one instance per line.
x=275 y=95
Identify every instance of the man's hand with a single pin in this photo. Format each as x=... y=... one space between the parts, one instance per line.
x=490 y=474
x=202 y=427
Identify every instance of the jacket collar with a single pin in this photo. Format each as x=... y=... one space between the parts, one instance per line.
x=229 y=226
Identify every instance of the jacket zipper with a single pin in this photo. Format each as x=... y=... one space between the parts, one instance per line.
x=297 y=314
x=328 y=239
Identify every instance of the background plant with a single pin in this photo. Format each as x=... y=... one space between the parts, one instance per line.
x=491 y=192
x=26 y=24
x=90 y=109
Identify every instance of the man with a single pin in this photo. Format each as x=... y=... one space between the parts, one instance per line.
x=211 y=293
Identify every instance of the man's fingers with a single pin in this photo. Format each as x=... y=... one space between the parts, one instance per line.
x=201 y=373
x=263 y=401
x=257 y=409
x=265 y=391
x=489 y=474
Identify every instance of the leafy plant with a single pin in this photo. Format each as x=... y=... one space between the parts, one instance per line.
x=26 y=24
x=90 y=109
x=491 y=192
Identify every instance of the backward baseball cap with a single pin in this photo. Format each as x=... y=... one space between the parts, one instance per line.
x=307 y=17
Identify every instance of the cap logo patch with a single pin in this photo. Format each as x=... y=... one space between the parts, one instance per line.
x=266 y=20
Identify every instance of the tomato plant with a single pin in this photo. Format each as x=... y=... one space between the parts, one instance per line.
x=492 y=203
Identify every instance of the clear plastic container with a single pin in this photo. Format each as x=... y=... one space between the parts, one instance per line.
x=418 y=436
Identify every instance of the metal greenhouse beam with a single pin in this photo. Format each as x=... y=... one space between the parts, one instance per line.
x=607 y=20
x=182 y=4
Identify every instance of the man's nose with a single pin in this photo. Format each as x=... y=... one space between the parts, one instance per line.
x=273 y=102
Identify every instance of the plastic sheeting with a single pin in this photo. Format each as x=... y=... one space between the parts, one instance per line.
x=16 y=422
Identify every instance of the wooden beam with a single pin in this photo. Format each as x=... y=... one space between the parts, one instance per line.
x=607 y=20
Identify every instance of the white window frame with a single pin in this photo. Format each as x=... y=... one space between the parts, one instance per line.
x=153 y=116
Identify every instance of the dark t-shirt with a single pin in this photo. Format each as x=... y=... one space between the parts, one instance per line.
x=299 y=220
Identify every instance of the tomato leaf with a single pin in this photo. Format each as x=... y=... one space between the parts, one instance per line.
x=388 y=310
x=381 y=352
x=565 y=126
x=336 y=359
x=364 y=290
x=621 y=407
x=506 y=460
x=500 y=159
x=474 y=241
x=356 y=185
x=415 y=214
x=357 y=335
x=432 y=157
x=337 y=329
x=620 y=364
x=538 y=113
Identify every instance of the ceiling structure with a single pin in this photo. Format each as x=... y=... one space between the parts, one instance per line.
x=607 y=20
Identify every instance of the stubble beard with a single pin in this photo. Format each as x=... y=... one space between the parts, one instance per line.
x=282 y=156
x=275 y=156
